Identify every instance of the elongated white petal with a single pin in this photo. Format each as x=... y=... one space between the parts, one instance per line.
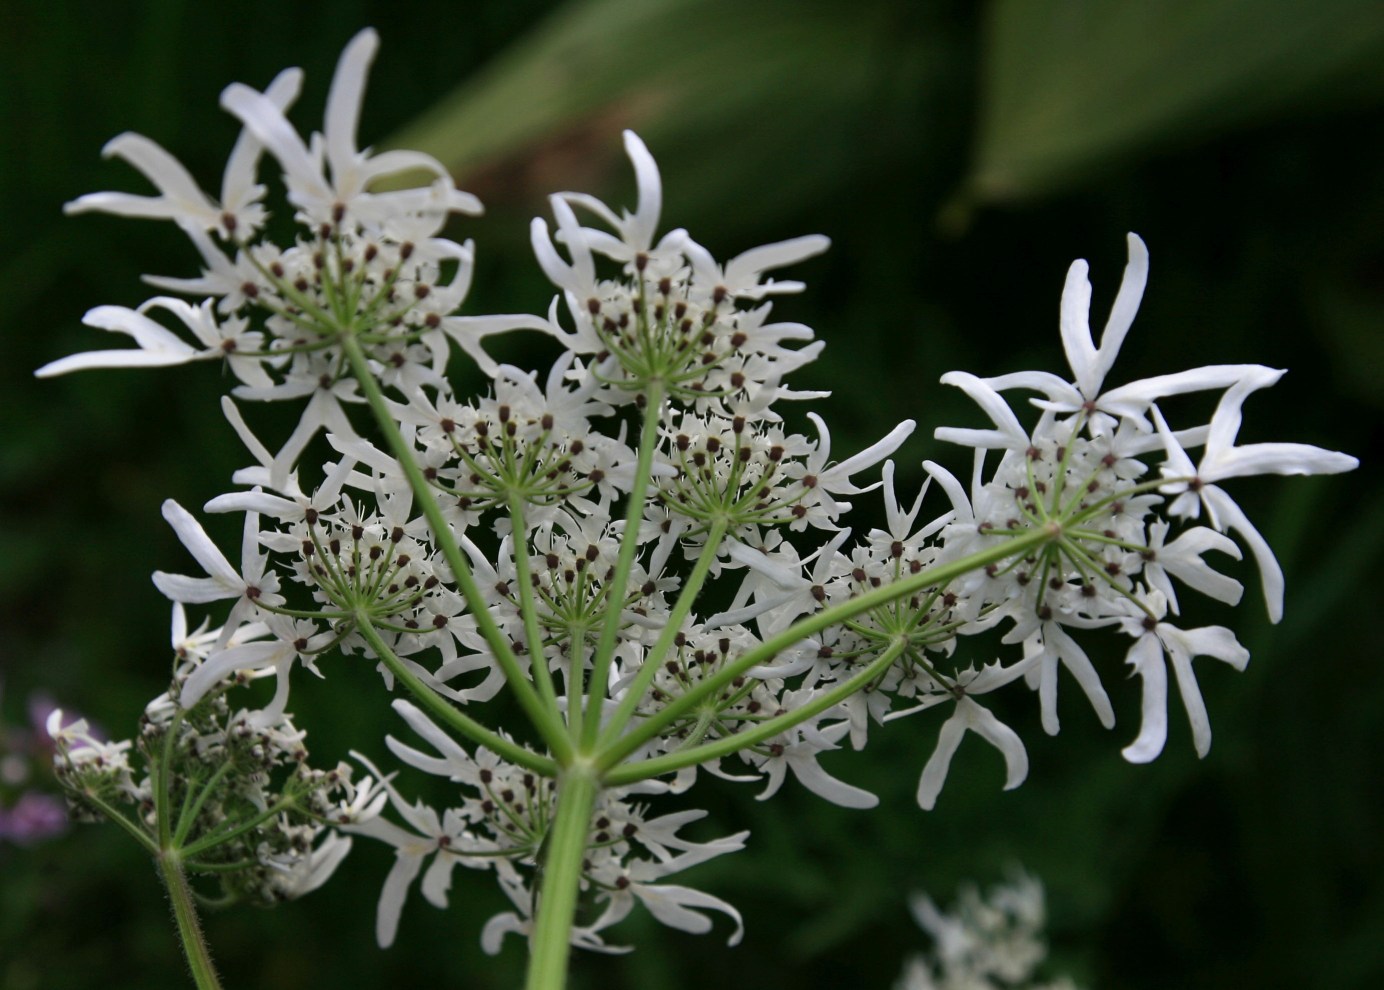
x=824 y=785
x=1230 y=516
x=1076 y=329
x=115 y=359
x=1146 y=657
x=344 y=101
x=1126 y=305
x=238 y=187
x=935 y=771
x=393 y=895
x=673 y=906
x=195 y=538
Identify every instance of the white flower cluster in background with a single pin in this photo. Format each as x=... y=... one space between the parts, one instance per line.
x=989 y=941
x=550 y=538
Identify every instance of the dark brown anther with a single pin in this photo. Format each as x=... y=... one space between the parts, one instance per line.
x=718 y=295
x=405 y=250
x=1150 y=623
x=1034 y=454
x=596 y=476
x=896 y=549
x=641 y=261
x=546 y=422
x=1045 y=613
x=819 y=593
x=439 y=621
x=809 y=481
x=249 y=290
x=738 y=339
x=334 y=546
x=308 y=548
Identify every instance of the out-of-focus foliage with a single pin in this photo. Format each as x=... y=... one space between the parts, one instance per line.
x=959 y=156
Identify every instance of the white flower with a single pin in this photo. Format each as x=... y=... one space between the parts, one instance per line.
x=1221 y=459
x=237 y=216
x=1155 y=638
x=970 y=716
x=329 y=200
x=159 y=347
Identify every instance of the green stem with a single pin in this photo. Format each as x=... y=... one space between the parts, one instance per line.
x=546 y=721
x=1011 y=546
x=632 y=772
x=565 y=849
x=438 y=707
x=649 y=670
x=629 y=544
x=185 y=915
x=538 y=658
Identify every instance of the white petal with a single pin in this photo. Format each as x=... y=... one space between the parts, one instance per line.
x=1126 y=304
x=1076 y=329
x=195 y=538
x=1146 y=657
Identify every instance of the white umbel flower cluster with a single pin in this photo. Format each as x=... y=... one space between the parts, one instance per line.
x=551 y=538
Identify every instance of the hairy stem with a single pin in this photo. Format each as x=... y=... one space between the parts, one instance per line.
x=185 y=915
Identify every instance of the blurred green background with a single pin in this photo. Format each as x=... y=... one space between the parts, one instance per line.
x=959 y=156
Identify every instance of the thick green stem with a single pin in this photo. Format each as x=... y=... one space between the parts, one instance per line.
x=548 y=722
x=446 y=713
x=629 y=544
x=635 y=692
x=185 y=914
x=564 y=851
x=1010 y=546
x=631 y=772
